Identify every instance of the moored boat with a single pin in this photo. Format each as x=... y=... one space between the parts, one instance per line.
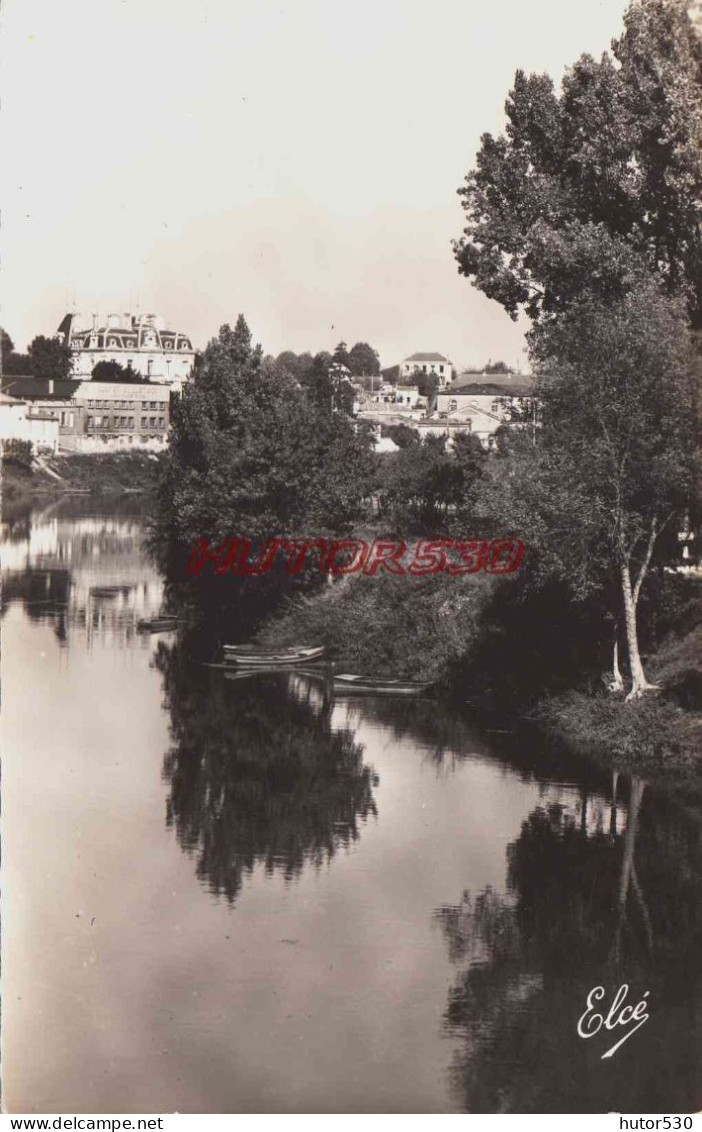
x=352 y=685
x=157 y=624
x=251 y=657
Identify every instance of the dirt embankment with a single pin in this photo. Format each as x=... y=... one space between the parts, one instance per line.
x=80 y=473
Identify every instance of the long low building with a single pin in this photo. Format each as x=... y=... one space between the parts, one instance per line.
x=92 y=416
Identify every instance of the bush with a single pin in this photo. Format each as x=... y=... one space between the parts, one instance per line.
x=17 y=453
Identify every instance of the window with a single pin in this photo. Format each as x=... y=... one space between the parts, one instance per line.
x=144 y=422
x=453 y=405
x=89 y=422
x=152 y=422
x=131 y=422
x=441 y=369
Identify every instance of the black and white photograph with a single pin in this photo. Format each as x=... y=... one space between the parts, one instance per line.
x=351 y=621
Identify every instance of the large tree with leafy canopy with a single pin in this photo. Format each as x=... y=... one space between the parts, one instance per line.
x=589 y=183
x=613 y=470
x=49 y=358
x=253 y=454
x=363 y=360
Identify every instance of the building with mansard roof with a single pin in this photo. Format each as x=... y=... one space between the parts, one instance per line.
x=140 y=341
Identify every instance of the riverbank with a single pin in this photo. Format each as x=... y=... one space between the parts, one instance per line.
x=109 y=473
x=447 y=630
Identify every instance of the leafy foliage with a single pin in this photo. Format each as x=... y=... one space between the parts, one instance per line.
x=594 y=183
x=253 y=453
x=114 y=371
x=49 y=358
x=363 y=360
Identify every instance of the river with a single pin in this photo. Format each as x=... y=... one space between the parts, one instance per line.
x=245 y=896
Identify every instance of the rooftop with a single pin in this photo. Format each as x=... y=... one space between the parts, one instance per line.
x=493 y=384
x=426 y=358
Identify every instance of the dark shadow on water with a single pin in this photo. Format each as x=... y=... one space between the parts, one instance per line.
x=604 y=906
x=256 y=775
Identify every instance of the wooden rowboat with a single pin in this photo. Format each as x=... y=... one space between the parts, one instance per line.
x=246 y=656
x=352 y=685
x=157 y=624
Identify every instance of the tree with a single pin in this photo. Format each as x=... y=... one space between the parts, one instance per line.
x=49 y=358
x=12 y=362
x=427 y=384
x=420 y=483
x=588 y=186
x=114 y=371
x=498 y=367
x=341 y=355
x=619 y=432
x=363 y=360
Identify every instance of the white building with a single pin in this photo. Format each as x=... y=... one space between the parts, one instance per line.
x=427 y=363
x=408 y=396
x=483 y=402
x=26 y=422
x=141 y=341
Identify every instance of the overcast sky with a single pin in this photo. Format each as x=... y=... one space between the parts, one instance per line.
x=297 y=161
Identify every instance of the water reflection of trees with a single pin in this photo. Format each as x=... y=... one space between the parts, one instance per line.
x=583 y=907
x=256 y=773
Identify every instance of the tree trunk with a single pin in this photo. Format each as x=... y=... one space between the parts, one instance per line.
x=614 y=682
x=639 y=683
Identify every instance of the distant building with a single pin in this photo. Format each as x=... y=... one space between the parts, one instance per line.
x=483 y=402
x=427 y=363
x=142 y=341
x=22 y=421
x=408 y=396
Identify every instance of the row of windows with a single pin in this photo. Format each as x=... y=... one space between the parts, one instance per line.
x=149 y=343
x=125 y=422
x=145 y=405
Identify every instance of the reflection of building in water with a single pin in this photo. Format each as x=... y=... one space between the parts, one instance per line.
x=89 y=574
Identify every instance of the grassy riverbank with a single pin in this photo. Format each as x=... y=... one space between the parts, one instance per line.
x=107 y=473
x=472 y=636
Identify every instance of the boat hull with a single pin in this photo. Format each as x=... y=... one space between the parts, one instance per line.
x=157 y=626
x=285 y=658
x=358 y=685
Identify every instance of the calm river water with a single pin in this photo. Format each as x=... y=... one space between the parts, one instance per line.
x=242 y=896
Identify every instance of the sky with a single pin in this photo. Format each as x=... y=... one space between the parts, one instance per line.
x=296 y=162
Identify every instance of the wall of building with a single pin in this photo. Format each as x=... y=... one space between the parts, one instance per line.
x=443 y=370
